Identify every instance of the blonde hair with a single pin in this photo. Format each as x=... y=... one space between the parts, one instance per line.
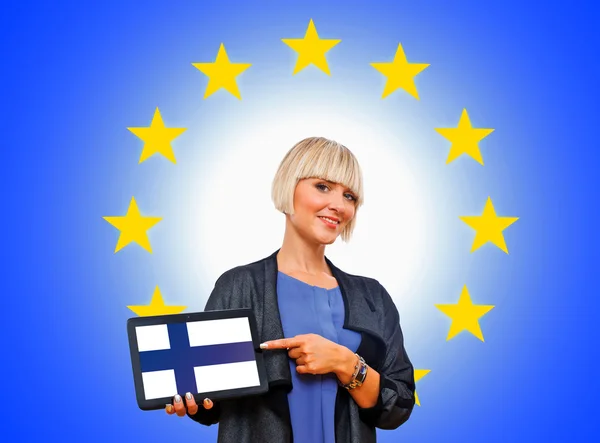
x=317 y=157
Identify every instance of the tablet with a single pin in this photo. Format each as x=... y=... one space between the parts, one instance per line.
x=214 y=354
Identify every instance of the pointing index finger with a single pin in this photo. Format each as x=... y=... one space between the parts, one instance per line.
x=283 y=343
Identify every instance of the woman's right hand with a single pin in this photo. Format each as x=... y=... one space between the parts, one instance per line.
x=178 y=407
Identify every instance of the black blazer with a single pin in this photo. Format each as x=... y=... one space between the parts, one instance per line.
x=369 y=309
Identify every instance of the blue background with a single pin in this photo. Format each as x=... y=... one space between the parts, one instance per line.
x=75 y=77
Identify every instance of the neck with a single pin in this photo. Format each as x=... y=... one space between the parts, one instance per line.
x=298 y=254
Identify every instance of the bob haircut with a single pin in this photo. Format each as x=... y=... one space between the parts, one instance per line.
x=317 y=157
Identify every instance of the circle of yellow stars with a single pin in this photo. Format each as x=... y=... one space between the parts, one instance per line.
x=312 y=50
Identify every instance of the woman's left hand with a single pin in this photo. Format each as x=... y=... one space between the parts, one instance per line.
x=313 y=353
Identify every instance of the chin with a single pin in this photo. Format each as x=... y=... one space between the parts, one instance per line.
x=326 y=240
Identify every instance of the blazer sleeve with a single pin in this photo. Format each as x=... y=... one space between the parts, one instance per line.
x=220 y=298
x=396 y=398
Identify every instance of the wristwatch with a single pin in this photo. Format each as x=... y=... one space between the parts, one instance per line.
x=359 y=376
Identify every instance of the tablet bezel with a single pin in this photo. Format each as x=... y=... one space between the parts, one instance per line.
x=160 y=403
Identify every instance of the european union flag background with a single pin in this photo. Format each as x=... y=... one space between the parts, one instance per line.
x=76 y=76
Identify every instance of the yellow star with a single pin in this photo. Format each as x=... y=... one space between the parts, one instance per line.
x=400 y=74
x=133 y=227
x=464 y=138
x=156 y=307
x=465 y=315
x=157 y=138
x=419 y=374
x=489 y=227
x=222 y=73
x=311 y=49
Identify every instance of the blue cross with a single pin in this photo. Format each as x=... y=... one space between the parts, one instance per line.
x=182 y=358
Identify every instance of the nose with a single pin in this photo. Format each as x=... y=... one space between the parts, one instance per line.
x=337 y=203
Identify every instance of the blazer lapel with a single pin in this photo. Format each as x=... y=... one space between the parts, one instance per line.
x=361 y=316
x=276 y=361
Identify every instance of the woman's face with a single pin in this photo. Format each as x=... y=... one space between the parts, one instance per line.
x=322 y=209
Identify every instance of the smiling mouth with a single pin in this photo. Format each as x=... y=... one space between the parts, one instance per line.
x=330 y=221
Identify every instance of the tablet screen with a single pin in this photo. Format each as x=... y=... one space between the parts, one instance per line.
x=198 y=353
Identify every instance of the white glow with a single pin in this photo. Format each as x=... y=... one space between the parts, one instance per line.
x=235 y=222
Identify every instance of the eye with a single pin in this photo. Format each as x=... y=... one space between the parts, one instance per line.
x=321 y=186
x=351 y=197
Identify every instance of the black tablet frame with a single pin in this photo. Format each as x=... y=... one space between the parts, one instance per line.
x=160 y=403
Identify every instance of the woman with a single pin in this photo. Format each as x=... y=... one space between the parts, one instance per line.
x=333 y=346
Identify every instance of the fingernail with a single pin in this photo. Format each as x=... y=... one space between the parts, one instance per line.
x=188 y=396
x=206 y=401
x=168 y=408
x=264 y=346
x=177 y=398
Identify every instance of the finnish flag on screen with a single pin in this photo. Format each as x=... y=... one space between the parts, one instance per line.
x=195 y=357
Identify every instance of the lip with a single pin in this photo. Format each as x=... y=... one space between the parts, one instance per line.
x=329 y=225
x=329 y=216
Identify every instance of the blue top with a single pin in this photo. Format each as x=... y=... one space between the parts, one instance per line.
x=309 y=309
